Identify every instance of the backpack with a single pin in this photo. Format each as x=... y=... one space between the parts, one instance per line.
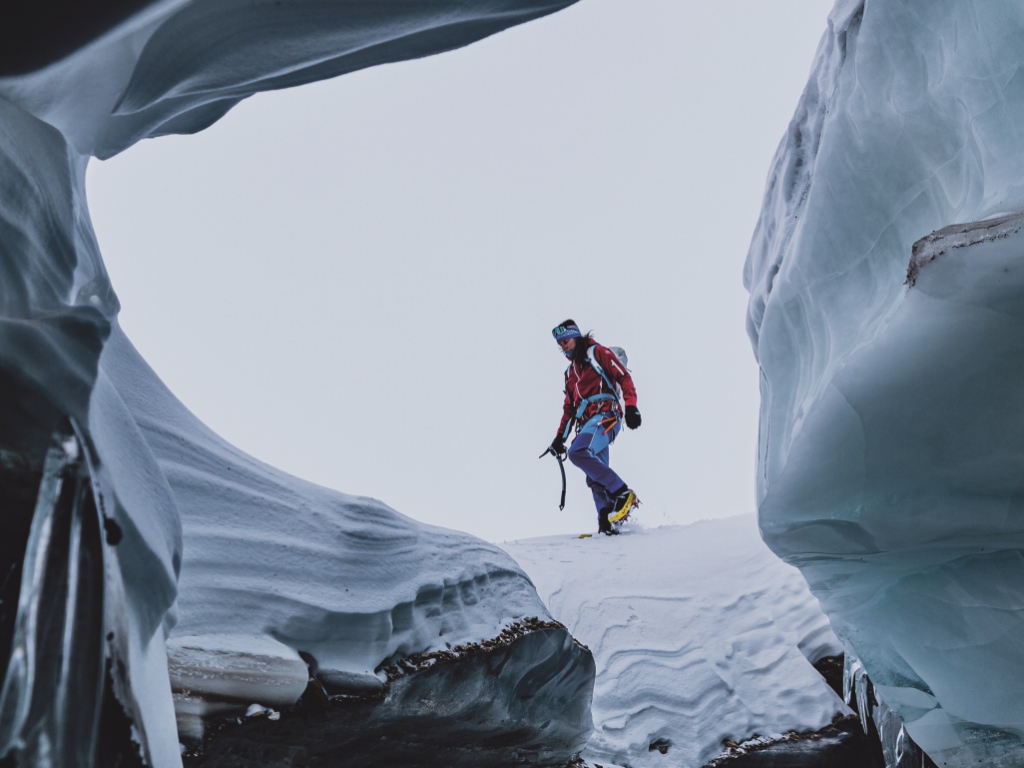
x=620 y=353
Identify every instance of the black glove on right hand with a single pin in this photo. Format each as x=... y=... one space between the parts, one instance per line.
x=557 y=447
x=632 y=417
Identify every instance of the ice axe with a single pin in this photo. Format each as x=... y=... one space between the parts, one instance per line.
x=561 y=467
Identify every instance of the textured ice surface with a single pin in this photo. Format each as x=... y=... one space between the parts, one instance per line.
x=489 y=707
x=890 y=462
x=699 y=633
x=283 y=563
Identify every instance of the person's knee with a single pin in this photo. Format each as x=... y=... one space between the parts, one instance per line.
x=579 y=458
x=579 y=452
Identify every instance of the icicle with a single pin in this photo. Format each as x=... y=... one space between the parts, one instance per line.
x=908 y=754
x=16 y=697
x=51 y=696
x=898 y=749
x=862 y=689
x=850 y=666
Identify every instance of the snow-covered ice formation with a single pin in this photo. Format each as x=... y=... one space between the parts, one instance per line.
x=887 y=296
x=700 y=635
x=252 y=566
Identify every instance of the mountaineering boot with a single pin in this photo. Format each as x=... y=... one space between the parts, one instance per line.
x=603 y=526
x=625 y=500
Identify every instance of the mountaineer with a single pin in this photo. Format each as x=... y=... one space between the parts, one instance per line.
x=594 y=381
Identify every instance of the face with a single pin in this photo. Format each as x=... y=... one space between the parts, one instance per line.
x=567 y=345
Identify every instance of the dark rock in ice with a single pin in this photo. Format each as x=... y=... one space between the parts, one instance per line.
x=831 y=668
x=840 y=745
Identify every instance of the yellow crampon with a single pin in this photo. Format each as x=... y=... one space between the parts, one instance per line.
x=623 y=512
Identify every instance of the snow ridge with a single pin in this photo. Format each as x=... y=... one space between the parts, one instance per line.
x=274 y=567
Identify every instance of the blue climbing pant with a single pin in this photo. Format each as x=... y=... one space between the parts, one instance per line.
x=589 y=452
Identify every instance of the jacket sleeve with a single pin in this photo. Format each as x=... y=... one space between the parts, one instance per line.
x=616 y=372
x=568 y=411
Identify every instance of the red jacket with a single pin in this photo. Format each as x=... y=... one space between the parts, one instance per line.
x=582 y=381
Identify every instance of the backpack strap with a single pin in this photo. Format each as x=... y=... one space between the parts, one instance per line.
x=592 y=359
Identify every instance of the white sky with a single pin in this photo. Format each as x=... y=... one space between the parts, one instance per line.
x=355 y=281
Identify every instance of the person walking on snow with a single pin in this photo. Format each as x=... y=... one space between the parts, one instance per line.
x=592 y=400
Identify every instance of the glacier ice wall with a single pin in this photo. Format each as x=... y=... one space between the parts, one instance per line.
x=886 y=295
x=269 y=566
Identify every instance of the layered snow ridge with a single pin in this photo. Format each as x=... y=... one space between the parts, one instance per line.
x=263 y=578
x=887 y=295
x=700 y=635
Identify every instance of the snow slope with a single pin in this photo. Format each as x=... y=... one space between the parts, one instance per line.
x=890 y=461
x=699 y=632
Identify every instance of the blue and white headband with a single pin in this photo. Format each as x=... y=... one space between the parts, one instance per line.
x=563 y=332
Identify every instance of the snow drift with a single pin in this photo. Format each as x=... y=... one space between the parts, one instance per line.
x=252 y=566
x=700 y=634
x=886 y=305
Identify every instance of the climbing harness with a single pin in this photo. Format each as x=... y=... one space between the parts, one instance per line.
x=583 y=407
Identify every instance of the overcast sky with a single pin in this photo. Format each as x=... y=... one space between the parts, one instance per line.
x=355 y=281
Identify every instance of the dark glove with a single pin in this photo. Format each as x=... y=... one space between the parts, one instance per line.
x=557 y=447
x=632 y=417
